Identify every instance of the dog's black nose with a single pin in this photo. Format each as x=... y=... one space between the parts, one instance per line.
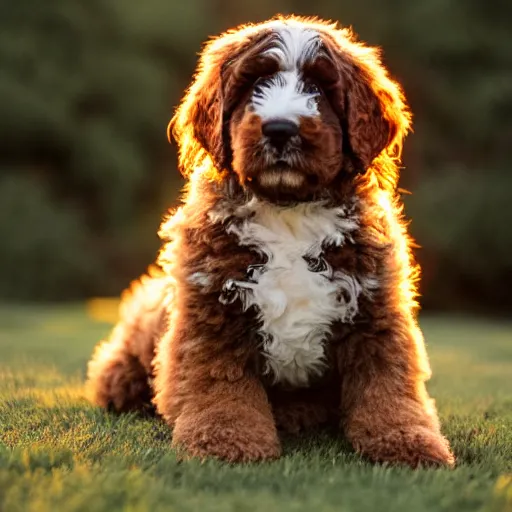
x=279 y=131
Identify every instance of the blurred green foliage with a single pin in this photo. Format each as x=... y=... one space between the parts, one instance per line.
x=44 y=246
x=87 y=88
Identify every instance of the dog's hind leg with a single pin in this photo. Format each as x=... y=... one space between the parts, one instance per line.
x=120 y=372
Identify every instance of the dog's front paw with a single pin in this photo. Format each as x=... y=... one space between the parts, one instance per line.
x=234 y=435
x=411 y=445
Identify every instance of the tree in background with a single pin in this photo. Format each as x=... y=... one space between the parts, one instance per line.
x=87 y=89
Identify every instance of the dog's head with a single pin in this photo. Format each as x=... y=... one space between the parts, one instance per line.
x=290 y=106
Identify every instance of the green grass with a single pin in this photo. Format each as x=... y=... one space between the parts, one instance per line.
x=58 y=453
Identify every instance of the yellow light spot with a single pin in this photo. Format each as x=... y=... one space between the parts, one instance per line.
x=103 y=309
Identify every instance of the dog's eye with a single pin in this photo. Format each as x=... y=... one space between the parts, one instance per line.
x=314 y=92
x=311 y=88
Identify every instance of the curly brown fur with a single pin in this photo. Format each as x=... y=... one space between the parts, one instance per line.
x=287 y=297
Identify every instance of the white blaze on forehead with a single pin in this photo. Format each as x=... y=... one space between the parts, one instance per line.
x=284 y=96
x=294 y=46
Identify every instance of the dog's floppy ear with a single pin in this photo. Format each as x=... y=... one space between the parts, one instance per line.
x=200 y=124
x=197 y=123
x=370 y=105
x=206 y=118
x=368 y=130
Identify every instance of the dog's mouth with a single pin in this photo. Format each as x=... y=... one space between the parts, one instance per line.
x=281 y=176
x=282 y=183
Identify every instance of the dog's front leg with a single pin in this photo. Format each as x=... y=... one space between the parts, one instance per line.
x=215 y=403
x=387 y=413
x=232 y=421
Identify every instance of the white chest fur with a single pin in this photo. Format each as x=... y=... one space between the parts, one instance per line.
x=297 y=295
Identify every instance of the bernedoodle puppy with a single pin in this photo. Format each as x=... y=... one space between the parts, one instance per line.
x=285 y=292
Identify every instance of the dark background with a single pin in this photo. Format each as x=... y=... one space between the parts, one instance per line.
x=87 y=88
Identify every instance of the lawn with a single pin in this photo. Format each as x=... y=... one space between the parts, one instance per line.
x=60 y=454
